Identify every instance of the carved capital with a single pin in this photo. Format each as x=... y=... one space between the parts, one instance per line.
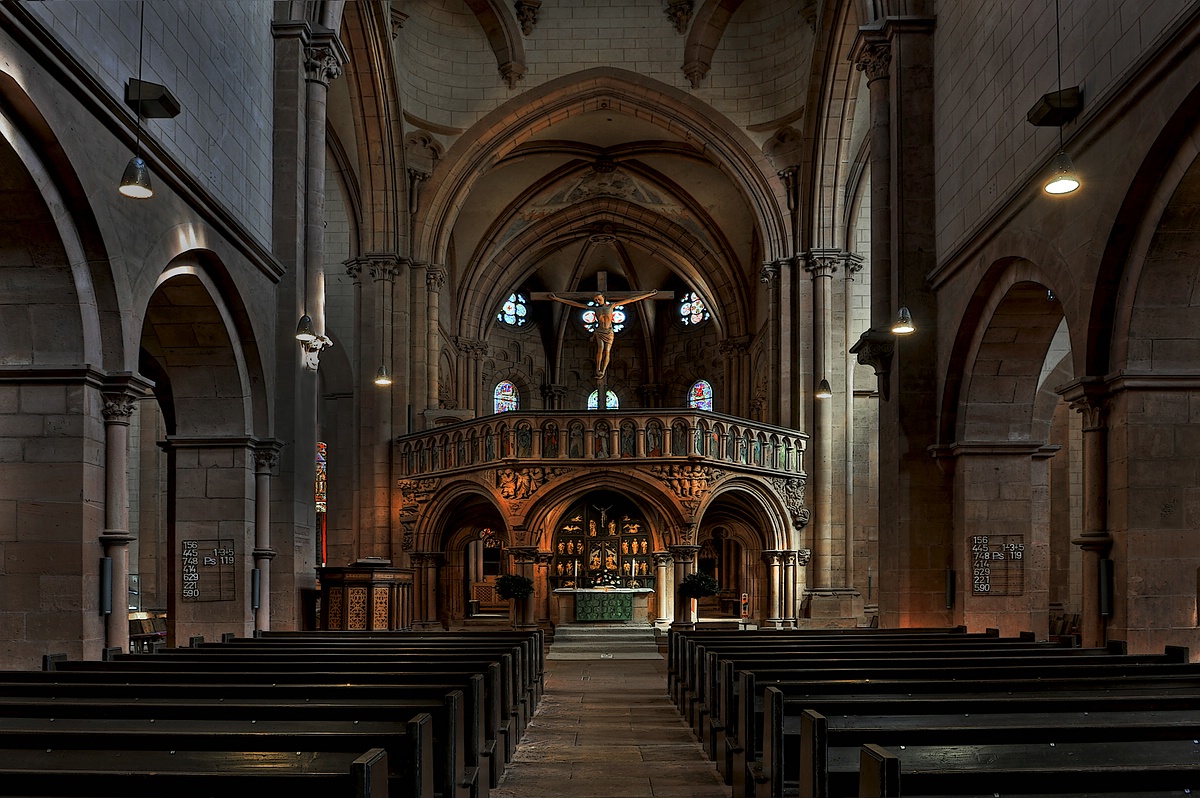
x=398 y=18
x=769 y=274
x=527 y=14
x=266 y=459
x=511 y=72
x=875 y=61
x=680 y=14
x=118 y=408
x=435 y=278
x=321 y=64
x=803 y=556
x=695 y=72
x=662 y=559
x=822 y=262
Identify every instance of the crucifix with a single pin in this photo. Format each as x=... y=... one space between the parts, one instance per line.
x=603 y=304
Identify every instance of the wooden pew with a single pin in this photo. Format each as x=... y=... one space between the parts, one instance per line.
x=451 y=776
x=747 y=731
x=824 y=760
x=1116 y=766
x=104 y=772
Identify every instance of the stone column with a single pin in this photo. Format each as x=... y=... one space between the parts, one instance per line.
x=789 y=589
x=684 y=557
x=266 y=458
x=662 y=561
x=770 y=277
x=435 y=278
x=120 y=393
x=541 y=582
x=524 y=560
x=1095 y=541
x=427 y=563
x=774 y=561
x=822 y=264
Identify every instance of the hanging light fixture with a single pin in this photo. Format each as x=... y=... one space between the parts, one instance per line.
x=1063 y=178
x=904 y=323
x=823 y=390
x=135 y=182
x=382 y=378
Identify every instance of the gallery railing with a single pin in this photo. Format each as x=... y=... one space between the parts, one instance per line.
x=693 y=436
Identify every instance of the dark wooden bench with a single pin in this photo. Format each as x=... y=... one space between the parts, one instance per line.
x=1162 y=767
x=116 y=773
x=822 y=758
x=747 y=733
x=452 y=774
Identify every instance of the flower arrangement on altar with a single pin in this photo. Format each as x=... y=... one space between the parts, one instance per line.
x=607 y=580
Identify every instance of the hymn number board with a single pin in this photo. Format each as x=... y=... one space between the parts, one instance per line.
x=998 y=565
x=208 y=570
x=595 y=549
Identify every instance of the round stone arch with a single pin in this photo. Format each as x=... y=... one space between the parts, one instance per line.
x=515 y=122
x=1001 y=453
x=461 y=498
x=652 y=496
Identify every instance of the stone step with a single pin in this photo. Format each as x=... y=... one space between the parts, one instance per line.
x=588 y=641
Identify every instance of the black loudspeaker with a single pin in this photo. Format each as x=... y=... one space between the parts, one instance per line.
x=255 y=588
x=951 y=583
x=1104 y=596
x=106 y=585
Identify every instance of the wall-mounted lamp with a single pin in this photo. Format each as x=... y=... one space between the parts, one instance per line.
x=135 y=182
x=823 y=390
x=904 y=323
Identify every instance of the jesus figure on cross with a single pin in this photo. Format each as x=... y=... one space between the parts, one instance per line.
x=603 y=334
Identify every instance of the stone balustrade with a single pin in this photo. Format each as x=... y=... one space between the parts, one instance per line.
x=617 y=436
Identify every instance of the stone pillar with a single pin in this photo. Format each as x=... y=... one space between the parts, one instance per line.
x=427 y=613
x=666 y=605
x=435 y=278
x=1096 y=541
x=789 y=589
x=684 y=557
x=120 y=393
x=524 y=560
x=266 y=458
x=770 y=277
x=822 y=264
x=541 y=582
x=774 y=561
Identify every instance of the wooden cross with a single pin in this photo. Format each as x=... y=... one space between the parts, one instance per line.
x=603 y=342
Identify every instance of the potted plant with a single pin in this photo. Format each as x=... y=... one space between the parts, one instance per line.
x=697 y=585
x=514 y=586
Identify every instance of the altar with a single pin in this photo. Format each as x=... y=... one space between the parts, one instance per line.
x=609 y=605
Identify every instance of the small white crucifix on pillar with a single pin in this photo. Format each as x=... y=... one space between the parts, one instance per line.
x=603 y=304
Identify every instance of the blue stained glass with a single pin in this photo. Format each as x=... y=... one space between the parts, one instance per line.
x=692 y=310
x=506 y=397
x=610 y=401
x=701 y=395
x=515 y=310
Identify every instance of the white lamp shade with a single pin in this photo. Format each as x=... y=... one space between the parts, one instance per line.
x=1063 y=179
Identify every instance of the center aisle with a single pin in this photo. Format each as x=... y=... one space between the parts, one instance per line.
x=606 y=728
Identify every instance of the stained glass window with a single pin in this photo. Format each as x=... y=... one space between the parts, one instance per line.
x=321 y=477
x=610 y=401
x=515 y=310
x=506 y=397
x=618 y=318
x=700 y=395
x=692 y=309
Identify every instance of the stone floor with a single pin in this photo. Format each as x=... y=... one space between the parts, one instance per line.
x=606 y=728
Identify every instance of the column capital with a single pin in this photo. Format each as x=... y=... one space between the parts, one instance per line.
x=524 y=555
x=120 y=391
x=527 y=14
x=822 y=262
x=1088 y=396
x=680 y=14
x=266 y=455
x=769 y=273
x=872 y=57
x=774 y=556
x=875 y=348
x=435 y=278
x=683 y=552
x=324 y=55
x=661 y=558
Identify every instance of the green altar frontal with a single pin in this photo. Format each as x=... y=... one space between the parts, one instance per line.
x=590 y=605
x=603 y=606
